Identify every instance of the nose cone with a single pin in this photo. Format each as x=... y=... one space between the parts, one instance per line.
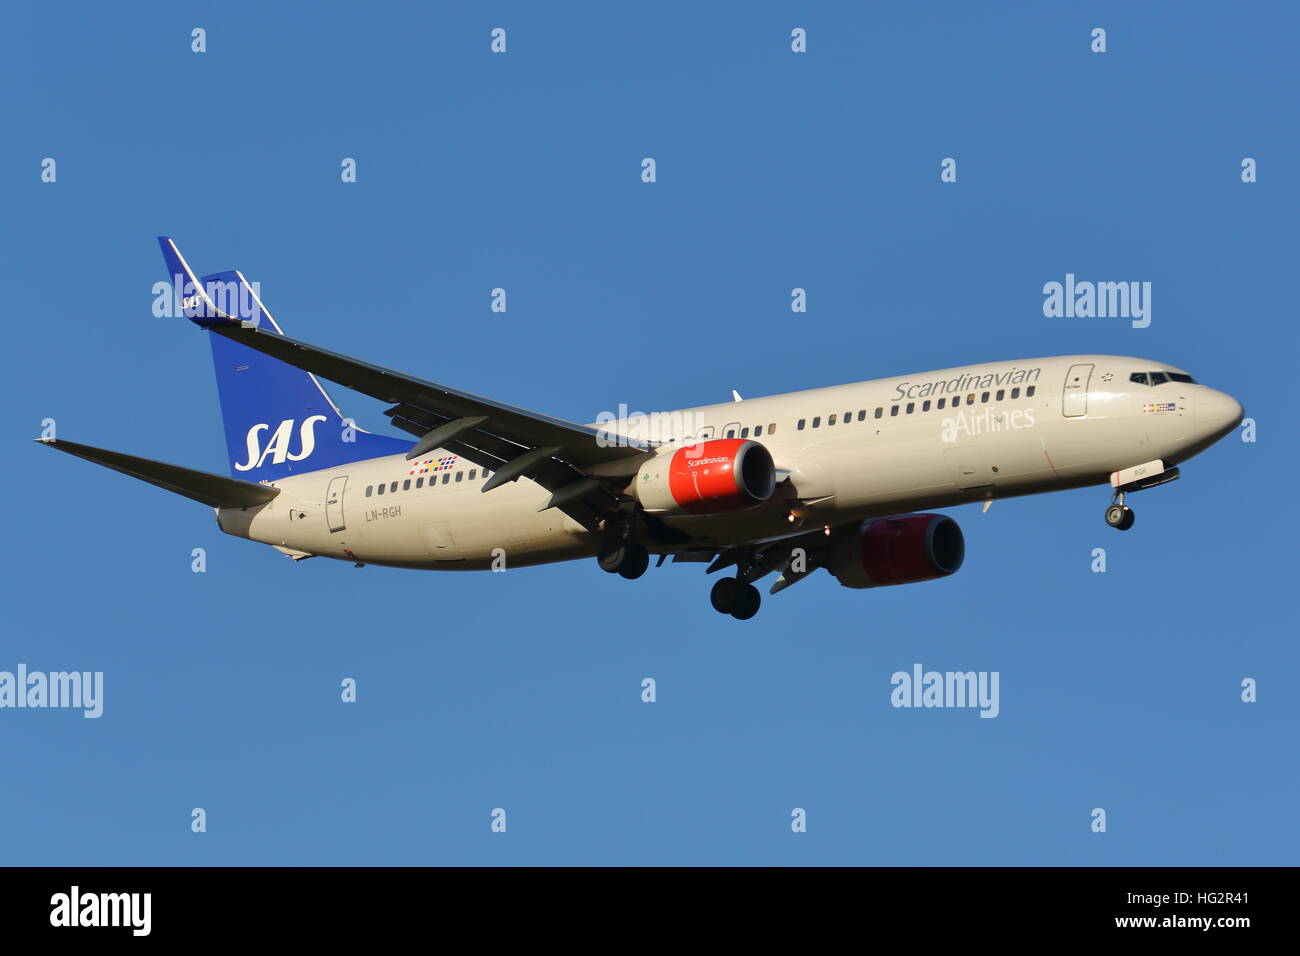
x=1217 y=413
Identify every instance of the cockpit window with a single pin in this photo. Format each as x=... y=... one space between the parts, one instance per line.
x=1160 y=378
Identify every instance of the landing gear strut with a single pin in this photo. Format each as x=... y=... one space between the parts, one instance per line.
x=1119 y=515
x=730 y=596
x=628 y=558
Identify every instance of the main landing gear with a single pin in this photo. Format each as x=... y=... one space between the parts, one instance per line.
x=734 y=596
x=628 y=558
x=730 y=596
x=1119 y=515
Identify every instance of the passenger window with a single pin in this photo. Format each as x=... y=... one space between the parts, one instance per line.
x=862 y=414
x=1001 y=394
x=817 y=421
x=369 y=489
x=419 y=482
x=731 y=433
x=799 y=426
x=471 y=473
x=744 y=432
x=406 y=485
x=925 y=405
x=970 y=399
x=771 y=427
x=381 y=488
x=879 y=412
x=831 y=420
x=893 y=410
x=939 y=404
x=460 y=475
x=911 y=406
x=984 y=397
x=848 y=417
x=446 y=477
x=1015 y=393
x=1029 y=392
x=393 y=487
x=758 y=430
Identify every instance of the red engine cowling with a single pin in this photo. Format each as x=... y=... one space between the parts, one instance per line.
x=707 y=478
x=898 y=550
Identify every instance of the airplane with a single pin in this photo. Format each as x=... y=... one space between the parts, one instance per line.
x=840 y=478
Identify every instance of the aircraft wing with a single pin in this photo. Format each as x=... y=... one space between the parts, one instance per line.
x=418 y=402
x=566 y=458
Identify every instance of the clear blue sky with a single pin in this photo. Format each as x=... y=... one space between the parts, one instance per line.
x=775 y=170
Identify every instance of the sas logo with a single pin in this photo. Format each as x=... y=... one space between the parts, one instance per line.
x=278 y=445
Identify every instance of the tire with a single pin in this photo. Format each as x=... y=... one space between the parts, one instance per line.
x=1115 y=516
x=747 y=602
x=611 y=554
x=635 y=560
x=723 y=595
x=1129 y=518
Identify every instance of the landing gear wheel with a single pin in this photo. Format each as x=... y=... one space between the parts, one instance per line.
x=746 y=602
x=628 y=558
x=635 y=560
x=1119 y=516
x=611 y=554
x=723 y=595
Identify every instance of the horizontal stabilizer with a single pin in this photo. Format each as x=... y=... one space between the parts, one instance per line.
x=216 y=491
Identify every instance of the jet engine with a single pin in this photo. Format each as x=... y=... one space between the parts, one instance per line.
x=711 y=477
x=898 y=550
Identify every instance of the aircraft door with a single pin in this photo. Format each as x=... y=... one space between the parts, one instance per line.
x=334 y=503
x=1074 y=395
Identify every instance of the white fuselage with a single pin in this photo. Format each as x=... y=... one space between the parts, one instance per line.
x=1005 y=429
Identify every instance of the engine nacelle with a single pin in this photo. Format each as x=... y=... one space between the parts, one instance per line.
x=898 y=550
x=708 y=478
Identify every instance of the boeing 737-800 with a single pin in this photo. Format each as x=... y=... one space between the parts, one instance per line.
x=836 y=478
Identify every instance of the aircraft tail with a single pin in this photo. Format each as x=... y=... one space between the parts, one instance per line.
x=216 y=491
x=278 y=419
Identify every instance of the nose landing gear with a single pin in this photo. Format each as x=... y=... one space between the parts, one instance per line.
x=1119 y=515
x=1137 y=478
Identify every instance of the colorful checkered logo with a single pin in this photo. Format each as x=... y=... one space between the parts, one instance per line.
x=433 y=464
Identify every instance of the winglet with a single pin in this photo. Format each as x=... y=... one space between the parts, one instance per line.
x=195 y=302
